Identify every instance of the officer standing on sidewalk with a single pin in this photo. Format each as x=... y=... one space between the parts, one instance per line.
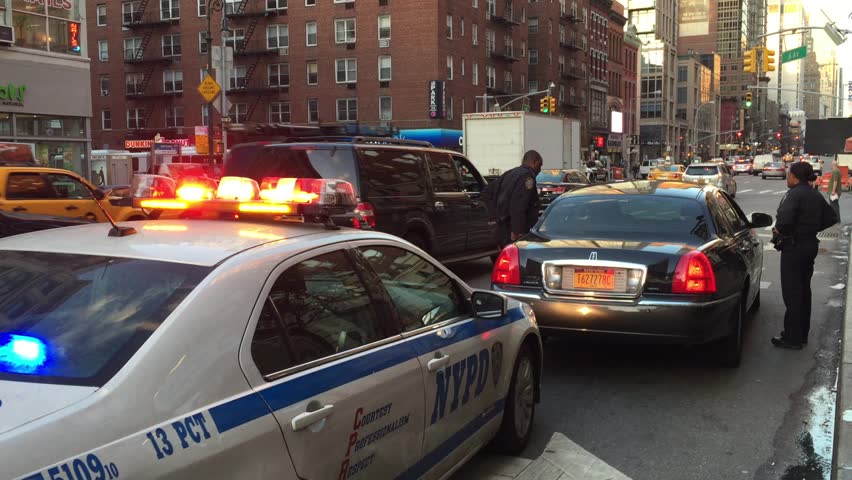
x=834 y=188
x=802 y=214
x=513 y=199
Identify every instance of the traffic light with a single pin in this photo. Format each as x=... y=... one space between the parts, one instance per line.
x=600 y=141
x=552 y=105
x=778 y=135
x=544 y=104
x=750 y=61
x=748 y=100
x=768 y=60
x=739 y=134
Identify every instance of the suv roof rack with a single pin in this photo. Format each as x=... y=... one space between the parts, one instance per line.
x=361 y=139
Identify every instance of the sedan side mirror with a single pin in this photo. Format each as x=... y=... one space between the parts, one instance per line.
x=488 y=304
x=99 y=194
x=760 y=220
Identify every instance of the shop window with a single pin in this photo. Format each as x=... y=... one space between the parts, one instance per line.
x=49 y=126
x=30 y=31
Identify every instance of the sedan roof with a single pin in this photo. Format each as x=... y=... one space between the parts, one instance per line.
x=668 y=188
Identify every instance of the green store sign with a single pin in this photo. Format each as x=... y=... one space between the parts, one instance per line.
x=12 y=94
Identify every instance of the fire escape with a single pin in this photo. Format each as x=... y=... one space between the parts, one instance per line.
x=138 y=23
x=576 y=49
x=252 y=53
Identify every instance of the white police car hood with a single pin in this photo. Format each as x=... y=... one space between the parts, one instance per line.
x=23 y=402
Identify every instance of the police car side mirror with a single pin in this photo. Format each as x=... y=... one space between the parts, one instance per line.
x=488 y=304
x=760 y=220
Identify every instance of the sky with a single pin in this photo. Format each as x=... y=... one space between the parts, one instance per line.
x=841 y=15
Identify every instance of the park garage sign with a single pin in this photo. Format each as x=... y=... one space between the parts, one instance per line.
x=12 y=95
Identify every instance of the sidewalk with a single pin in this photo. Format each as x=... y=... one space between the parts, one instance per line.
x=562 y=459
x=843 y=420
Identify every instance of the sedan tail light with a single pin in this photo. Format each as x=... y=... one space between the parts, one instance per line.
x=507 y=268
x=694 y=275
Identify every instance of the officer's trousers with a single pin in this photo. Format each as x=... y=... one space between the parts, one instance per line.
x=503 y=234
x=797 y=268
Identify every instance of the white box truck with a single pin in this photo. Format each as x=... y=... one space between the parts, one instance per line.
x=496 y=141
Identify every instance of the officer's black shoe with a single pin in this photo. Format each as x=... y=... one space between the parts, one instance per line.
x=782 y=342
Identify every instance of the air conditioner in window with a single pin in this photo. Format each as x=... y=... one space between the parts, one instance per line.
x=384 y=43
x=284 y=51
x=7 y=35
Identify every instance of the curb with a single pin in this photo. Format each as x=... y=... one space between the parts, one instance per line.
x=843 y=414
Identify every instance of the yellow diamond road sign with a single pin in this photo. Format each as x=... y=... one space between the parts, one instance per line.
x=209 y=89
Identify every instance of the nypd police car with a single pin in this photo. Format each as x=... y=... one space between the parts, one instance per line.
x=193 y=348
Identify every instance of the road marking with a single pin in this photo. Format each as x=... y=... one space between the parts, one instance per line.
x=765 y=285
x=780 y=193
x=764 y=191
x=746 y=190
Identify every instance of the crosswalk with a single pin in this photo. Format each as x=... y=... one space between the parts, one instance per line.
x=758 y=187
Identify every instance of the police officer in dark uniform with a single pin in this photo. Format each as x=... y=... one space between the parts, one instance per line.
x=515 y=199
x=802 y=214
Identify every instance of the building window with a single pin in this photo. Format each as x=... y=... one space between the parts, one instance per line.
x=533 y=56
x=277 y=36
x=104 y=84
x=103 y=50
x=279 y=75
x=173 y=81
x=133 y=83
x=347 y=109
x=475 y=73
x=169 y=9
x=135 y=118
x=171 y=45
x=681 y=74
x=384 y=68
x=313 y=110
x=491 y=76
x=462 y=67
x=174 y=117
x=474 y=34
x=106 y=120
x=238 y=79
x=344 y=30
x=313 y=73
x=533 y=86
x=310 y=3
x=131 y=12
x=279 y=112
x=681 y=95
x=449 y=67
x=507 y=81
x=384 y=27
x=102 y=15
x=461 y=27
x=132 y=47
x=202 y=8
x=202 y=42
x=490 y=41
x=238 y=112
x=450 y=102
x=450 y=27
x=272 y=5
x=533 y=24
x=385 y=109
x=311 y=34
x=237 y=39
x=347 y=70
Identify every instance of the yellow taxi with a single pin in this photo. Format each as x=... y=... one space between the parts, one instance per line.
x=667 y=172
x=58 y=193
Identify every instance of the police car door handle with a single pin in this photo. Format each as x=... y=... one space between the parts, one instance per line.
x=304 y=420
x=439 y=206
x=438 y=362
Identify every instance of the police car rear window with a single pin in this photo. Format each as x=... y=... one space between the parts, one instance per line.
x=76 y=319
x=294 y=161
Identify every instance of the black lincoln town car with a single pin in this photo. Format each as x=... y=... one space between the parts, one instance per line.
x=667 y=262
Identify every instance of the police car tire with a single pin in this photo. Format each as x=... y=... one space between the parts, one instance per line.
x=508 y=439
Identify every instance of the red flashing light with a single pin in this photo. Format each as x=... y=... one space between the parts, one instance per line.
x=194 y=193
x=366 y=213
x=694 y=275
x=507 y=268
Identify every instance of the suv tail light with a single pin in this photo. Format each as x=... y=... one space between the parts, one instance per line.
x=364 y=211
x=694 y=275
x=507 y=268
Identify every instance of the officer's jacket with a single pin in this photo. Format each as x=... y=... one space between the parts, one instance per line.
x=803 y=213
x=517 y=199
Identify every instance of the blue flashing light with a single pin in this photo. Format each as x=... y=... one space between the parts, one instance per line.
x=21 y=353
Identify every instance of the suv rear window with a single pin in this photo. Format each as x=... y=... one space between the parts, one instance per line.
x=709 y=170
x=77 y=319
x=294 y=161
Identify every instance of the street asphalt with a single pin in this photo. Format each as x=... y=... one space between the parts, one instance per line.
x=654 y=412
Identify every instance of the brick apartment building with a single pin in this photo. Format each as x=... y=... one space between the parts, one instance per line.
x=370 y=62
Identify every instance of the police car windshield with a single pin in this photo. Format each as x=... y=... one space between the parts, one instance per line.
x=294 y=161
x=651 y=218
x=76 y=319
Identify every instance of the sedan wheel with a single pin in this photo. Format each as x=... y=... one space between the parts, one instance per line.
x=730 y=348
x=519 y=411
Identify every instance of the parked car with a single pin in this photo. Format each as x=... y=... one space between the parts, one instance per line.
x=666 y=264
x=774 y=170
x=12 y=223
x=717 y=174
x=552 y=183
x=743 y=166
x=426 y=195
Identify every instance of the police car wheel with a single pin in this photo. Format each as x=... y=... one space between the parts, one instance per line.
x=519 y=411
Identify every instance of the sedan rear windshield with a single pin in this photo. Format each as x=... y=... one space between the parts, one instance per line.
x=553 y=176
x=293 y=161
x=77 y=319
x=649 y=218
x=711 y=170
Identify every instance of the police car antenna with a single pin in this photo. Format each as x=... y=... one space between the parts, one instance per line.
x=116 y=230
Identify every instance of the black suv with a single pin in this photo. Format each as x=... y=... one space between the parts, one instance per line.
x=428 y=196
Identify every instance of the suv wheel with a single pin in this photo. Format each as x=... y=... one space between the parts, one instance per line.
x=418 y=241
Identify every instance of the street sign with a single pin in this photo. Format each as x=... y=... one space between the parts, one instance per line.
x=217 y=105
x=794 y=54
x=209 y=89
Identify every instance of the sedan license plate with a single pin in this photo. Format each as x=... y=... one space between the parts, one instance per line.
x=594 y=278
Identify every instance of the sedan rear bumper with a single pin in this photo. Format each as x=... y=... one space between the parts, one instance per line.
x=774 y=174
x=657 y=319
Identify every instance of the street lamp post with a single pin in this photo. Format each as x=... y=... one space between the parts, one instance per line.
x=695 y=122
x=212 y=6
